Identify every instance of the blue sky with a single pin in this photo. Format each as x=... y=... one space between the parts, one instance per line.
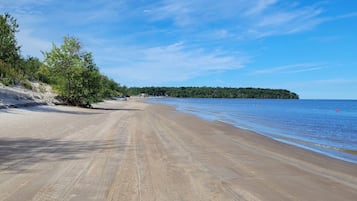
x=309 y=47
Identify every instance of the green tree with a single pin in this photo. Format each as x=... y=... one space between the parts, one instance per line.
x=9 y=50
x=64 y=64
x=75 y=75
x=91 y=80
x=44 y=74
x=110 y=87
x=69 y=69
x=214 y=92
x=30 y=67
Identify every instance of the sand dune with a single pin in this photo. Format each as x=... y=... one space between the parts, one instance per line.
x=136 y=151
x=18 y=96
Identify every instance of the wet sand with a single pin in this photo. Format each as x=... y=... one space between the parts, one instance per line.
x=136 y=151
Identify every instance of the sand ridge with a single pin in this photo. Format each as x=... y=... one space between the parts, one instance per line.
x=130 y=150
x=19 y=96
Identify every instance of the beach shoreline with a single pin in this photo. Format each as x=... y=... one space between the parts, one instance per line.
x=132 y=150
x=320 y=132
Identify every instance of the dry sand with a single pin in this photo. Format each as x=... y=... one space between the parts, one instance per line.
x=136 y=151
x=18 y=96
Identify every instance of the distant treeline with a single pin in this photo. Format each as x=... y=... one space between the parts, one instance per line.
x=214 y=92
x=71 y=71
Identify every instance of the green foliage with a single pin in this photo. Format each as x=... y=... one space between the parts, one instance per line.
x=7 y=73
x=71 y=71
x=26 y=84
x=13 y=68
x=9 y=50
x=44 y=74
x=214 y=92
x=75 y=75
x=78 y=81
x=30 y=67
x=110 y=87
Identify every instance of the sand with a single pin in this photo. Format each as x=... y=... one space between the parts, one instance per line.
x=131 y=150
x=19 y=96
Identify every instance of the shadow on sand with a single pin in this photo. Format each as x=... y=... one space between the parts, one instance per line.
x=115 y=109
x=17 y=155
x=51 y=109
x=47 y=109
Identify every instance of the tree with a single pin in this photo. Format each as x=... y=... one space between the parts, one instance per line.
x=91 y=80
x=9 y=50
x=64 y=63
x=69 y=69
x=30 y=67
x=214 y=92
x=75 y=75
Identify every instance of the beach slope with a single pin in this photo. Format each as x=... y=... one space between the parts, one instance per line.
x=136 y=151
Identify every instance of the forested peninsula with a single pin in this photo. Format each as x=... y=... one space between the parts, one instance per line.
x=214 y=92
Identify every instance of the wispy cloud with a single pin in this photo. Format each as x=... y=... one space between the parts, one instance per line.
x=246 y=19
x=343 y=16
x=173 y=63
x=334 y=81
x=260 y=6
x=288 y=69
x=135 y=42
x=178 y=11
x=47 y=21
x=284 y=17
x=287 y=20
x=261 y=18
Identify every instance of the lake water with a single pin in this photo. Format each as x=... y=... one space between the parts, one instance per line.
x=325 y=126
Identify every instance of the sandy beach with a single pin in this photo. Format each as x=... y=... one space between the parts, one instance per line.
x=130 y=150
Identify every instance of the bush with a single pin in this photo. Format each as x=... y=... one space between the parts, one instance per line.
x=7 y=81
x=27 y=84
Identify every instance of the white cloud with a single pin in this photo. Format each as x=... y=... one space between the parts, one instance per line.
x=21 y=3
x=334 y=81
x=173 y=63
x=189 y=13
x=222 y=33
x=287 y=20
x=260 y=6
x=250 y=19
x=263 y=17
x=293 y=68
x=348 y=15
x=135 y=34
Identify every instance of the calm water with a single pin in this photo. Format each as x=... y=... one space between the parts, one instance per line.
x=324 y=126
